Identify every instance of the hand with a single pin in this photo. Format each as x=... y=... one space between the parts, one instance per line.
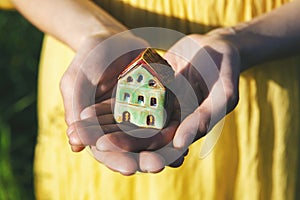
x=120 y=146
x=94 y=71
x=114 y=148
x=212 y=67
x=207 y=77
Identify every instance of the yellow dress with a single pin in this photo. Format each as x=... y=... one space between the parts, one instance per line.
x=256 y=157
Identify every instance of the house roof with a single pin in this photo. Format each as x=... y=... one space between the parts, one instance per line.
x=155 y=64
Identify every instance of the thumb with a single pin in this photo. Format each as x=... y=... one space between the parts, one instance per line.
x=76 y=89
x=192 y=128
x=218 y=103
x=77 y=93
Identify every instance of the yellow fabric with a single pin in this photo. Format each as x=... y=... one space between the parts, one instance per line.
x=256 y=157
x=6 y=4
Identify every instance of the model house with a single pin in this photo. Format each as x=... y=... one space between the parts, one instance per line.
x=143 y=97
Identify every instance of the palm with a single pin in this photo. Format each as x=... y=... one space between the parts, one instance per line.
x=123 y=141
x=206 y=89
x=88 y=110
x=93 y=72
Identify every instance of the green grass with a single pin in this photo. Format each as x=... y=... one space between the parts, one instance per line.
x=20 y=45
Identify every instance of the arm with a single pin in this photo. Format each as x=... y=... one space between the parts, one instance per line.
x=71 y=21
x=83 y=26
x=275 y=34
x=270 y=36
x=231 y=50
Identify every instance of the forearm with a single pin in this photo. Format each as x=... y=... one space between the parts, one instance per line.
x=71 y=21
x=270 y=36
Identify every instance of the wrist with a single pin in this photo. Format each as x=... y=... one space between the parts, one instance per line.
x=243 y=42
x=95 y=33
x=117 y=38
x=91 y=20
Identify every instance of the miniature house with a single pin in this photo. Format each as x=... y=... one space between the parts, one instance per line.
x=143 y=97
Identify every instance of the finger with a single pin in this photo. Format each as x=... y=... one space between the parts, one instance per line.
x=83 y=136
x=179 y=161
x=178 y=56
x=172 y=156
x=138 y=139
x=77 y=148
x=102 y=108
x=107 y=119
x=86 y=136
x=219 y=102
x=73 y=106
x=76 y=91
x=151 y=162
x=121 y=141
x=77 y=86
x=192 y=127
x=125 y=163
x=87 y=132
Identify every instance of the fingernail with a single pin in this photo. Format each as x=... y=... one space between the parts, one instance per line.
x=77 y=148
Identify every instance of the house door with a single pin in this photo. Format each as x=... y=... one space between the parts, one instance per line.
x=150 y=120
x=126 y=116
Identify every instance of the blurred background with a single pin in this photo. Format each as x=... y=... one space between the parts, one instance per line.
x=20 y=45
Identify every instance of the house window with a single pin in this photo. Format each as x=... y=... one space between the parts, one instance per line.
x=152 y=83
x=141 y=99
x=126 y=97
x=129 y=79
x=153 y=101
x=150 y=120
x=140 y=78
x=126 y=116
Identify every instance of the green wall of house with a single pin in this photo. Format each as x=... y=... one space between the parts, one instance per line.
x=128 y=99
